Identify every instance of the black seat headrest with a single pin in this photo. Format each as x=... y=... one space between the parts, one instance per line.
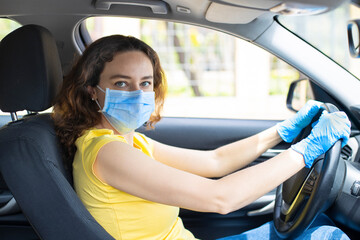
x=29 y=76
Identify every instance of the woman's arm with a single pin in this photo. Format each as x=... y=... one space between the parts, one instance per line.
x=234 y=156
x=129 y=170
x=221 y=161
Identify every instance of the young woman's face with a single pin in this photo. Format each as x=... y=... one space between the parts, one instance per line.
x=128 y=71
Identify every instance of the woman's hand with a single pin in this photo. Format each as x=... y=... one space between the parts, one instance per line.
x=329 y=129
x=291 y=127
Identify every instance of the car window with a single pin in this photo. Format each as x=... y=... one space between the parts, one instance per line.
x=328 y=33
x=7 y=26
x=210 y=74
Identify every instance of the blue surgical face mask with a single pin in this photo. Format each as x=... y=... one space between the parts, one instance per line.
x=127 y=111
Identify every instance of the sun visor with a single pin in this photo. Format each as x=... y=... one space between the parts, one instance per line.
x=260 y=4
x=245 y=11
x=220 y=13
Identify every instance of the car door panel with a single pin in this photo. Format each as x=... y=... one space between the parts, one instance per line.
x=206 y=133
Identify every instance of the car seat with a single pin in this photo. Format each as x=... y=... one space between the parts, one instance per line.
x=30 y=156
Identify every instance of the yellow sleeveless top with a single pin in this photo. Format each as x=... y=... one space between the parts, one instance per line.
x=122 y=215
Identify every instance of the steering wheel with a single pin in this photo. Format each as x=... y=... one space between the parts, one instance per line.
x=310 y=191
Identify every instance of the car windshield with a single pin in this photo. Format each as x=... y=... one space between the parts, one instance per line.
x=328 y=33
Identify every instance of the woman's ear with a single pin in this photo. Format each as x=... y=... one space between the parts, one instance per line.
x=92 y=92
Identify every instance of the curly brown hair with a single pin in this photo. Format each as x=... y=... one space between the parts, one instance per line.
x=74 y=111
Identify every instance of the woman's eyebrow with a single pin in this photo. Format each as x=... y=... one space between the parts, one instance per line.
x=128 y=77
x=148 y=77
x=120 y=76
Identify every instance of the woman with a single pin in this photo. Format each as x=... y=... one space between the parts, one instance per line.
x=133 y=185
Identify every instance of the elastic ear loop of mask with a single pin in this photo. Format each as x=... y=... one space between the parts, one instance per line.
x=97 y=100
x=98 y=105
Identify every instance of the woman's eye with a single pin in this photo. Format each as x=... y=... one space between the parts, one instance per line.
x=120 y=84
x=146 y=84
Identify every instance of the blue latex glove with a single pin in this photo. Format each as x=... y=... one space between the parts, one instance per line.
x=328 y=130
x=291 y=127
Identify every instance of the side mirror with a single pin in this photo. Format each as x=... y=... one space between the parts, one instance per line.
x=299 y=93
x=353 y=31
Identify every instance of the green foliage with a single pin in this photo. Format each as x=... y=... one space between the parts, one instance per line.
x=281 y=76
x=7 y=26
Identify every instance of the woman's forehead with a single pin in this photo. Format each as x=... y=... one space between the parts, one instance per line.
x=130 y=63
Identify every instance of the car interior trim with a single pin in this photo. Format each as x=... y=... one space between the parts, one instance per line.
x=157 y=7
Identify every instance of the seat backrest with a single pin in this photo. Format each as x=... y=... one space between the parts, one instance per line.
x=30 y=156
